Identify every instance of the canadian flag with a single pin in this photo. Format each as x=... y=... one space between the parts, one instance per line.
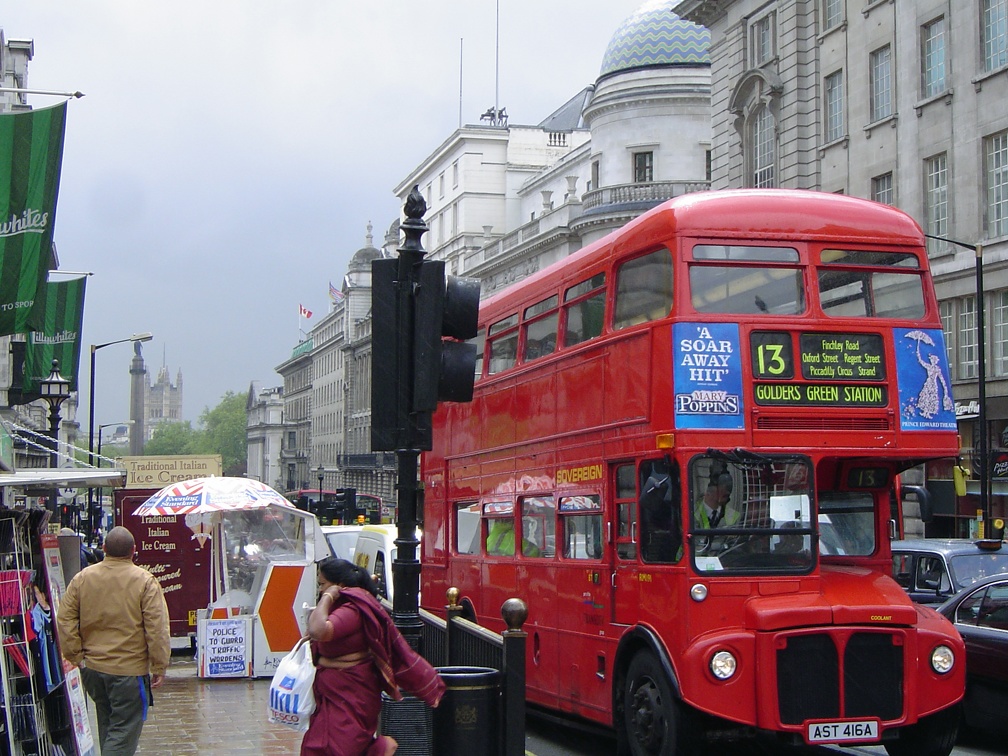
x=305 y=312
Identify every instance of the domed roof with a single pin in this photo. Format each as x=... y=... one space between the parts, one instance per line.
x=362 y=257
x=655 y=36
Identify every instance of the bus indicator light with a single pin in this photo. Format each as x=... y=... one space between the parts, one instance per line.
x=665 y=441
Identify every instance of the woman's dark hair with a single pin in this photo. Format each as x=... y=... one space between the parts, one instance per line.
x=341 y=572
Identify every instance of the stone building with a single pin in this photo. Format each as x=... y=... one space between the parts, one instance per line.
x=898 y=102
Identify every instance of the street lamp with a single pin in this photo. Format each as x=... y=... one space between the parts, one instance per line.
x=91 y=504
x=136 y=337
x=55 y=389
x=321 y=475
x=982 y=373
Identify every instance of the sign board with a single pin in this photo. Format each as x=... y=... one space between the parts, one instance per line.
x=176 y=550
x=225 y=647
x=159 y=471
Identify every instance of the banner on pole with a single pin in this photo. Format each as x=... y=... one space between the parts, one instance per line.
x=31 y=156
x=62 y=306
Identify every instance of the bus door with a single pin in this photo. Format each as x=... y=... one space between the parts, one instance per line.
x=649 y=536
x=583 y=593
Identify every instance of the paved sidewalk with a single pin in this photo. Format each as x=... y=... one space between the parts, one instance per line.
x=193 y=716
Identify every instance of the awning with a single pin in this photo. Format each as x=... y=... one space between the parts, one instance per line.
x=64 y=477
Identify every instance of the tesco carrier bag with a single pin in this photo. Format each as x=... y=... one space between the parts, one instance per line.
x=291 y=700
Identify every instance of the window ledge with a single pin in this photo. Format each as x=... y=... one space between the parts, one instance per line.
x=921 y=104
x=842 y=26
x=980 y=78
x=890 y=119
x=872 y=5
x=841 y=142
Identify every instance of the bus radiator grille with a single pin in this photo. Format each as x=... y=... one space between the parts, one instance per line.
x=808 y=681
x=824 y=423
x=873 y=676
x=809 y=674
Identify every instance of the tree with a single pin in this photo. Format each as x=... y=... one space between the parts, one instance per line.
x=221 y=430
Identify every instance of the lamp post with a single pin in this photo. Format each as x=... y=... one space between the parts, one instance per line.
x=982 y=378
x=55 y=389
x=136 y=337
x=91 y=504
x=321 y=475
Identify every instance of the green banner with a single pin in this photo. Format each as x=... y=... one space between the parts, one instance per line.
x=31 y=155
x=59 y=338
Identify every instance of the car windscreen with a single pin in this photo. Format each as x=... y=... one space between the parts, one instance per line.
x=969 y=568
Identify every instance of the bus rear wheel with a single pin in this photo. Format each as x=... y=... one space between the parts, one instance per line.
x=931 y=736
x=654 y=722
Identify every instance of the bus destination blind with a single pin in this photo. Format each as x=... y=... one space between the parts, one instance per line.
x=839 y=369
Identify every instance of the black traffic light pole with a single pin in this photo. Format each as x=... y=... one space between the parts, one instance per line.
x=406 y=565
x=420 y=318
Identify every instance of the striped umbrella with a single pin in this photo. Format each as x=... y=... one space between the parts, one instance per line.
x=209 y=495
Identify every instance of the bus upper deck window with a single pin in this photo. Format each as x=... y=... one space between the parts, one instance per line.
x=871 y=284
x=584 y=310
x=502 y=344
x=735 y=283
x=540 y=328
x=643 y=289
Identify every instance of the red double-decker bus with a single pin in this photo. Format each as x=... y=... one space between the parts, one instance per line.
x=680 y=452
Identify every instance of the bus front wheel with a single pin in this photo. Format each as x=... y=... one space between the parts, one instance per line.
x=654 y=722
x=931 y=736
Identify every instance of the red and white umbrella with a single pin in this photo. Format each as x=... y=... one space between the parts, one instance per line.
x=209 y=495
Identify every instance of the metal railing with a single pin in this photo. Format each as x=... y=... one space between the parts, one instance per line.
x=458 y=642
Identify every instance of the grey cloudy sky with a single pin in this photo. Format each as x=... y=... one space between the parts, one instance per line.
x=228 y=155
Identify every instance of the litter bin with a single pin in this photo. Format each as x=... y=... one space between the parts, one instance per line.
x=409 y=722
x=467 y=721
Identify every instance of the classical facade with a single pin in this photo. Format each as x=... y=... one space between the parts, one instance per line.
x=505 y=200
x=162 y=401
x=898 y=102
x=264 y=407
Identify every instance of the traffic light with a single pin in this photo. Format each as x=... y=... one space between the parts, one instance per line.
x=390 y=420
x=345 y=505
x=446 y=313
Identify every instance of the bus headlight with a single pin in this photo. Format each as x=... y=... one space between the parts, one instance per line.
x=942 y=659
x=723 y=665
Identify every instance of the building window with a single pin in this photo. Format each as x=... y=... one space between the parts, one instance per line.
x=455 y=174
x=441 y=185
x=994 y=27
x=881 y=83
x=882 y=188
x=833 y=106
x=762 y=42
x=996 y=158
x=1001 y=333
x=833 y=11
x=643 y=167
x=933 y=73
x=936 y=200
x=763 y=146
x=967 y=338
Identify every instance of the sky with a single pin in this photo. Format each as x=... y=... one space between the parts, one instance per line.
x=227 y=156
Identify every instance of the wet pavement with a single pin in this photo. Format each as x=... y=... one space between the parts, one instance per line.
x=194 y=716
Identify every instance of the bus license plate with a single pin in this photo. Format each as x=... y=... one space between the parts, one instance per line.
x=842 y=732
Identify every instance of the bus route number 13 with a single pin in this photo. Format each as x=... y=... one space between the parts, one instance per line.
x=771 y=355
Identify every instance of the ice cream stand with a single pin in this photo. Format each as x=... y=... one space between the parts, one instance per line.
x=263 y=577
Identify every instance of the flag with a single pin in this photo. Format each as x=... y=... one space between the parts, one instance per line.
x=305 y=312
x=31 y=156
x=59 y=338
x=335 y=294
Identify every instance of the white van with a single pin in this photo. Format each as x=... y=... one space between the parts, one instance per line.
x=375 y=552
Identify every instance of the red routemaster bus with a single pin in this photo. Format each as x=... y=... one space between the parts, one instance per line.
x=681 y=451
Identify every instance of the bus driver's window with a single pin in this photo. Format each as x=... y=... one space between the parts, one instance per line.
x=661 y=529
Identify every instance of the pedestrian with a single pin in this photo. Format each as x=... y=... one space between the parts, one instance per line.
x=358 y=653
x=113 y=623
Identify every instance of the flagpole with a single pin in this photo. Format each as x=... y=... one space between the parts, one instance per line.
x=16 y=90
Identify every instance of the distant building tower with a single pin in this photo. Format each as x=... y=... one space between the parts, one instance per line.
x=162 y=401
x=138 y=385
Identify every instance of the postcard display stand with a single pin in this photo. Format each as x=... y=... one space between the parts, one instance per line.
x=35 y=711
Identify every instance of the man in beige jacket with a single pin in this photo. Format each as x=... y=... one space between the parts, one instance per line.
x=113 y=622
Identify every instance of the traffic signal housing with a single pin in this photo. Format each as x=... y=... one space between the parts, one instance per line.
x=446 y=314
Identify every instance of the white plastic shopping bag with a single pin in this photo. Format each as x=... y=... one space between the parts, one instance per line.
x=291 y=700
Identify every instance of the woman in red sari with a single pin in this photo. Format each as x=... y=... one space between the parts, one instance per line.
x=358 y=653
